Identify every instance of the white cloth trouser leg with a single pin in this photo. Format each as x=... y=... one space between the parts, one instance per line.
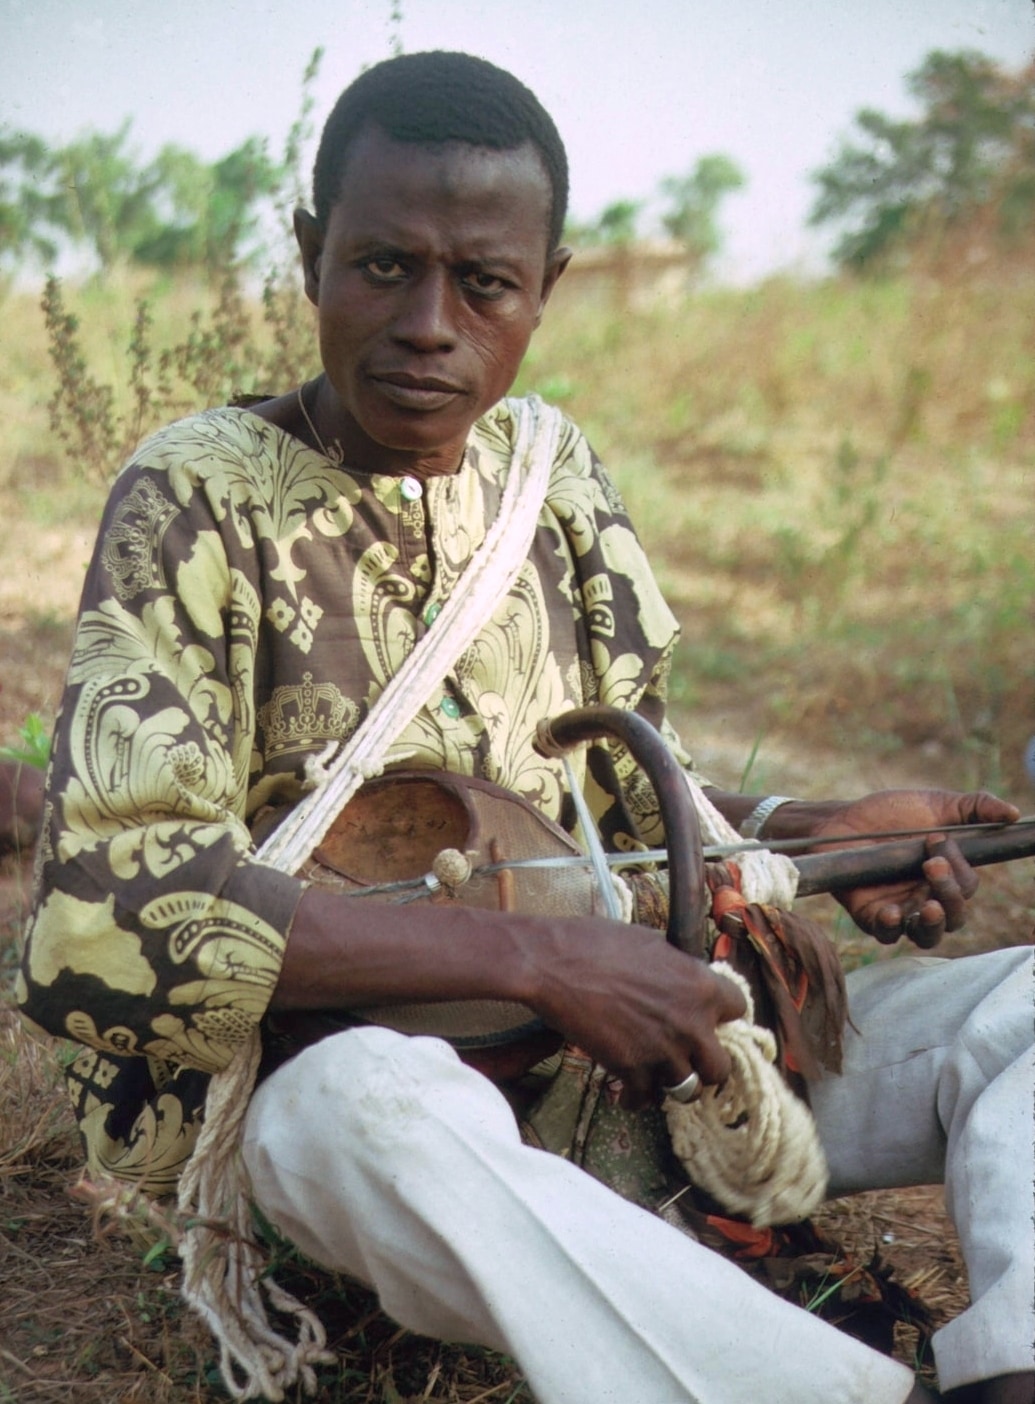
x=386 y=1158
x=939 y=1084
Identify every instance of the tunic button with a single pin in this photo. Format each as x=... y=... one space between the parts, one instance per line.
x=432 y=613
x=449 y=707
x=410 y=488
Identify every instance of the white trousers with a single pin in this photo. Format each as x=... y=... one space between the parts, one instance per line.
x=386 y=1158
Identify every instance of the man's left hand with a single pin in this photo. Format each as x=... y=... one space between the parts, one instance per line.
x=924 y=908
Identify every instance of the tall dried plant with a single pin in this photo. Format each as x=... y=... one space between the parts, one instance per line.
x=229 y=351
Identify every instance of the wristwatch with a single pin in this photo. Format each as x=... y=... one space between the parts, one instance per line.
x=752 y=826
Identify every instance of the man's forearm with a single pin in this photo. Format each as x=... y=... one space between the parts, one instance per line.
x=634 y=1002
x=348 y=953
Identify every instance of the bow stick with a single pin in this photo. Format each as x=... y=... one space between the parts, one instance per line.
x=980 y=843
x=841 y=868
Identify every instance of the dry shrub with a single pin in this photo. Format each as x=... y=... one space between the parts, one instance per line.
x=233 y=343
x=37 y=1128
x=833 y=481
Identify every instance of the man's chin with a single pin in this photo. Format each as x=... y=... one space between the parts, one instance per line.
x=421 y=442
x=384 y=427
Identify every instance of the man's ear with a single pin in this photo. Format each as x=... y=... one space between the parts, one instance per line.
x=310 y=244
x=555 y=266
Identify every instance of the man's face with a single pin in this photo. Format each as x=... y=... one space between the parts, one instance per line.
x=429 y=279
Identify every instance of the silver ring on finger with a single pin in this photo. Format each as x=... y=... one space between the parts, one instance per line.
x=686 y=1091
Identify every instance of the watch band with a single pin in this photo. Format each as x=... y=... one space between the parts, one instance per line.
x=752 y=825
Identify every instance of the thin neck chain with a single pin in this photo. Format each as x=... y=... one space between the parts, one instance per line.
x=336 y=453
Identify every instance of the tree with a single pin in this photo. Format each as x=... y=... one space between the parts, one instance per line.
x=23 y=160
x=100 y=196
x=207 y=211
x=95 y=193
x=694 y=201
x=971 y=151
x=614 y=227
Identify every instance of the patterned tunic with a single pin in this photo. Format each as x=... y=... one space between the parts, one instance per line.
x=245 y=606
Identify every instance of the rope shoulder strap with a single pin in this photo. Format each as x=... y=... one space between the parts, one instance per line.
x=223 y=1267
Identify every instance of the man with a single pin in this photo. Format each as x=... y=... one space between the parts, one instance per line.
x=259 y=577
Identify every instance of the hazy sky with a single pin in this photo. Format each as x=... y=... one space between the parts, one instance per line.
x=638 y=90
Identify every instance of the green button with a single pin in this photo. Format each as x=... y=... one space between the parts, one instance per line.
x=450 y=707
x=432 y=613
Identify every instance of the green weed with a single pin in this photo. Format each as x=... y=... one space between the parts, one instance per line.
x=35 y=747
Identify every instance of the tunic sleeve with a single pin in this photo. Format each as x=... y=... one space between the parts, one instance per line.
x=155 y=930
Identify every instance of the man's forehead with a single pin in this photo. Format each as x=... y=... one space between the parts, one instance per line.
x=379 y=167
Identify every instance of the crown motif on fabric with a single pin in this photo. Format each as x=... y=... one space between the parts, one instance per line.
x=306 y=714
x=131 y=547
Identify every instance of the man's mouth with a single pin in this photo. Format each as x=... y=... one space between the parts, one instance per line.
x=416 y=391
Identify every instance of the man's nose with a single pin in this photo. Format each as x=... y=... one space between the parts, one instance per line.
x=427 y=317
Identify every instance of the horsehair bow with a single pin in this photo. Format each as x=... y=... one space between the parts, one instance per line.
x=833 y=870
x=981 y=844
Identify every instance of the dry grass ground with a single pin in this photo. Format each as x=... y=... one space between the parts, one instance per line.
x=835 y=485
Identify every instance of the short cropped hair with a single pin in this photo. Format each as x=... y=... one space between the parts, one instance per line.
x=436 y=97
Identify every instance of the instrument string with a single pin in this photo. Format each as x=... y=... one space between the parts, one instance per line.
x=411 y=889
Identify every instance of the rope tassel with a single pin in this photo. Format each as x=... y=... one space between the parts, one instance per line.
x=751 y=1143
x=223 y=1266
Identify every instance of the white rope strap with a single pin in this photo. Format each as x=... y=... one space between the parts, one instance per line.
x=751 y=1143
x=223 y=1265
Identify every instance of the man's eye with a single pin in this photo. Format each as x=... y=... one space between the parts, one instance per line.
x=385 y=269
x=487 y=283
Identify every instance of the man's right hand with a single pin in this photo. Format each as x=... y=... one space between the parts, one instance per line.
x=644 y=1010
